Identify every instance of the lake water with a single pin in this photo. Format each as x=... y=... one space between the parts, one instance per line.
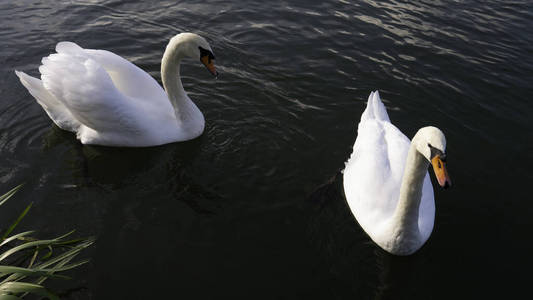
x=246 y=211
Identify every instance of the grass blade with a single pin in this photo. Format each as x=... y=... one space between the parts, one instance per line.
x=25 y=287
x=9 y=297
x=26 y=250
x=24 y=246
x=17 y=221
x=72 y=252
x=16 y=236
x=9 y=194
x=5 y=270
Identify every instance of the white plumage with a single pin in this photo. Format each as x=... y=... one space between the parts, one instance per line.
x=386 y=182
x=107 y=100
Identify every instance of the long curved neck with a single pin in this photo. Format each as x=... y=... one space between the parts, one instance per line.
x=406 y=213
x=170 y=75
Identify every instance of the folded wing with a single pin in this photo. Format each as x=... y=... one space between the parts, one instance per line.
x=87 y=91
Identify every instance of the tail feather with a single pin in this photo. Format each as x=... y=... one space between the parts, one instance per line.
x=380 y=112
x=54 y=108
x=69 y=48
x=375 y=109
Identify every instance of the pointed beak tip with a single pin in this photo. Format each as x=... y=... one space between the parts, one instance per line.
x=446 y=184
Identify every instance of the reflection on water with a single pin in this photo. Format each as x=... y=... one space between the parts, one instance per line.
x=229 y=213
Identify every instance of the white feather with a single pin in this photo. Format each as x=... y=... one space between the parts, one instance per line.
x=373 y=177
x=107 y=100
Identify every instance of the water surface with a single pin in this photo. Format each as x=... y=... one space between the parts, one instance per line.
x=239 y=212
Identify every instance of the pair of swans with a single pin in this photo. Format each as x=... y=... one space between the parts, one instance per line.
x=107 y=100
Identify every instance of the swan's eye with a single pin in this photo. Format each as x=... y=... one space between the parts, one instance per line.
x=436 y=152
x=433 y=150
x=205 y=52
x=207 y=57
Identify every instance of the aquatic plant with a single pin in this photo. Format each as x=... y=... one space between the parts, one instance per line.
x=26 y=262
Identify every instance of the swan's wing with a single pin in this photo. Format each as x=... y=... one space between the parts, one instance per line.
x=54 y=108
x=127 y=77
x=373 y=173
x=88 y=92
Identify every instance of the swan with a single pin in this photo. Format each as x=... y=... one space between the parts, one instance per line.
x=386 y=182
x=107 y=100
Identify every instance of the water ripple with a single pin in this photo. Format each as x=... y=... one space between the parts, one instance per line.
x=282 y=116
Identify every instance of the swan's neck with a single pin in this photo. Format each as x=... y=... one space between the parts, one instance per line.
x=170 y=75
x=406 y=214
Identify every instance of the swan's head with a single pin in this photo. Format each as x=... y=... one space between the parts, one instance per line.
x=431 y=143
x=196 y=47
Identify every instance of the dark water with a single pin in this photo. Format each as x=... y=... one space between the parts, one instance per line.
x=236 y=213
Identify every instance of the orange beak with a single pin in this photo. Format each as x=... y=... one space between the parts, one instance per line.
x=439 y=167
x=208 y=63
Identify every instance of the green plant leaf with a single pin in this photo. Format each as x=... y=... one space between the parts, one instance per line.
x=45 y=243
x=59 y=261
x=17 y=221
x=16 y=236
x=5 y=270
x=9 y=194
x=27 y=250
x=24 y=246
x=25 y=287
x=9 y=297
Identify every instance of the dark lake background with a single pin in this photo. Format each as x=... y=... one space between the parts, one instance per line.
x=246 y=210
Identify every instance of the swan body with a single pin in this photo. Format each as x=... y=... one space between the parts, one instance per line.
x=107 y=100
x=386 y=182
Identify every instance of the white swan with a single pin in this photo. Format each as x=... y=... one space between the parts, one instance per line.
x=107 y=100
x=386 y=182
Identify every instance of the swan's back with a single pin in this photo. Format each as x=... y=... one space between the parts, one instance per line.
x=374 y=172
x=102 y=97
